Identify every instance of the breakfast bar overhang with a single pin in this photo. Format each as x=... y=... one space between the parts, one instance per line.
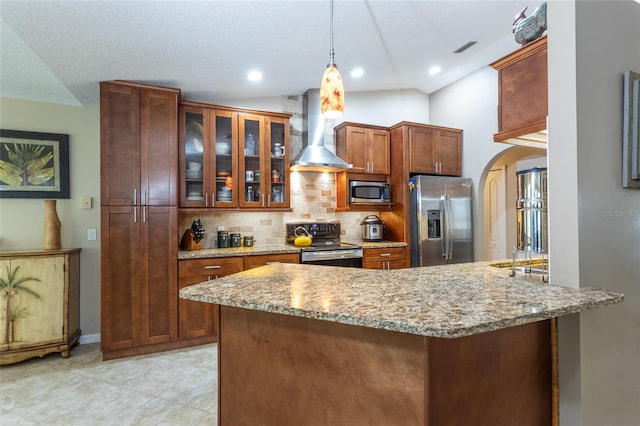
x=452 y=345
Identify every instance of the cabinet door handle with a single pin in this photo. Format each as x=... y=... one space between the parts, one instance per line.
x=135 y=196
x=144 y=214
x=206 y=199
x=213 y=199
x=268 y=200
x=385 y=254
x=212 y=267
x=143 y=198
x=135 y=214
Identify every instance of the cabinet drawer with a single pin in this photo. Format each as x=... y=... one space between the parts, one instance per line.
x=389 y=253
x=211 y=266
x=261 y=260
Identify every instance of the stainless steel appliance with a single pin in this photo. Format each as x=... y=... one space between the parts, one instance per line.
x=369 y=192
x=532 y=222
x=440 y=220
x=326 y=247
x=531 y=210
x=372 y=228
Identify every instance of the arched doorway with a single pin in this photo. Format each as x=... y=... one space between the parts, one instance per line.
x=497 y=193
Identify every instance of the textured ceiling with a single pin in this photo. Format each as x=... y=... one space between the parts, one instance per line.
x=59 y=51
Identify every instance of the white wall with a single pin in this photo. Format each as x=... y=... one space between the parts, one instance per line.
x=594 y=222
x=22 y=220
x=380 y=108
x=608 y=43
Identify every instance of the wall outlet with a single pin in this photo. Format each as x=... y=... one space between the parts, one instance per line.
x=91 y=234
x=86 y=202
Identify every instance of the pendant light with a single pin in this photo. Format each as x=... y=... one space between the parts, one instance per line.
x=331 y=88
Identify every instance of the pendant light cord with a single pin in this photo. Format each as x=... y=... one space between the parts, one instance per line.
x=332 y=61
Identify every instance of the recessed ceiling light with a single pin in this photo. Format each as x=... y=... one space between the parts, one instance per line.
x=357 y=73
x=435 y=70
x=254 y=76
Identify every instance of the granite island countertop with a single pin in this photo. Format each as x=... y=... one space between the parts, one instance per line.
x=438 y=301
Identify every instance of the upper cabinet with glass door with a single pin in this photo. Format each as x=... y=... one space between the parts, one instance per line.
x=233 y=158
x=278 y=161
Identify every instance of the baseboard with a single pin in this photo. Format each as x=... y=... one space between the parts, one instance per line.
x=89 y=338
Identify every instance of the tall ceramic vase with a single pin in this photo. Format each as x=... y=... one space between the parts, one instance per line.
x=51 y=226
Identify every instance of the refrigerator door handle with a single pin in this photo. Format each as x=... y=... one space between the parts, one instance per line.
x=448 y=246
x=443 y=225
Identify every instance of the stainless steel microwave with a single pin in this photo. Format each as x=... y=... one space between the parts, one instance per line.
x=369 y=192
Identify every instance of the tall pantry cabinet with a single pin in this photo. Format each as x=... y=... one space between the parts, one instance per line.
x=138 y=172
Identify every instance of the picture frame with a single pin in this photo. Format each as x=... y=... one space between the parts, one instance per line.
x=631 y=131
x=34 y=164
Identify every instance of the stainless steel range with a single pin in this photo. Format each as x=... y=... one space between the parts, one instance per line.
x=326 y=247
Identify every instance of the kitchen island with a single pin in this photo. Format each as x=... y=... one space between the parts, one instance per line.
x=457 y=344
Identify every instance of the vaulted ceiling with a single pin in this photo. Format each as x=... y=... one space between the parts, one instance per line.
x=59 y=51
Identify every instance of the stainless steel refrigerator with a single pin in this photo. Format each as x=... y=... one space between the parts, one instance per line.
x=441 y=221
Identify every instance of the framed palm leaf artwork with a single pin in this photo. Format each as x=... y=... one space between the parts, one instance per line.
x=34 y=165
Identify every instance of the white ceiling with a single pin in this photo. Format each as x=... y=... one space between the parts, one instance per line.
x=59 y=51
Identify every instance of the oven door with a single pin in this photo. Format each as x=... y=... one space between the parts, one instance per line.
x=351 y=258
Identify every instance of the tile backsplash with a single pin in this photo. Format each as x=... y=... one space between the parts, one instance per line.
x=313 y=198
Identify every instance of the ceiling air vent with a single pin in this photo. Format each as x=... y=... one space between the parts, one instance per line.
x=464 y=47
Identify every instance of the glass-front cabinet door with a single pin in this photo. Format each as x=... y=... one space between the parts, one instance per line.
x=224 y=165
x=252 y=154
x=278 y=162
x=193 y=154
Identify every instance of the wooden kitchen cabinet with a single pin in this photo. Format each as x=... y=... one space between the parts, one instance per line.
x=139 y=297
x=233 y=158
x=384 y=258
x=139 y=169
x=41 y=303
x=523 y=96
x=138 y=149
x=199 y=319
x=266 y=259
x=364 y=146
x=433 y=150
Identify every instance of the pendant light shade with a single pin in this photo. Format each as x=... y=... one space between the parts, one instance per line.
x=332 y=93
x=331 y=88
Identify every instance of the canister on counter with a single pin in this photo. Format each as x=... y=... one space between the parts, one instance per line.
x=248 y=240
x=223 y=239
x=235 y=240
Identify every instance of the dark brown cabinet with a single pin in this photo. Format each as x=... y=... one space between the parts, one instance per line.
x=199 y=319
x=522 y=95
x=385 y=258
x=364 y=146
x=233 y=158
x=433 y=150
x=139 y=151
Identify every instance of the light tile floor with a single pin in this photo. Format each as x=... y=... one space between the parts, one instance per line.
x=168 y=388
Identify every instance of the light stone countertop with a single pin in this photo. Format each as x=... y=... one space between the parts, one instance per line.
x=268 y=249
x=438 y=301
x=238 y=251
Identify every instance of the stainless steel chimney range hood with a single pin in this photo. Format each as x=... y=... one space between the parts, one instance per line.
x=315 y=157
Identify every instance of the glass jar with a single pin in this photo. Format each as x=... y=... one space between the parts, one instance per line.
x=234 y=240
x=275 y=175
x=249 y=195
x=276 y=194
x=223 y=239
x=250 y=145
